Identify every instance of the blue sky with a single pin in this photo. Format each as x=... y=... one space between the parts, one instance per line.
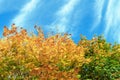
x=87 y=17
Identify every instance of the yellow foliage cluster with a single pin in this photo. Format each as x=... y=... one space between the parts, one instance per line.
x=36 y=57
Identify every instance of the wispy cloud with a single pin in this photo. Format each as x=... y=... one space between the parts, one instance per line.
x=113 y=20
x=63 y=16
x=98 y=13
x=25 y=13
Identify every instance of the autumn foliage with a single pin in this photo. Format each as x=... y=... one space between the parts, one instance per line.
x=35 y=57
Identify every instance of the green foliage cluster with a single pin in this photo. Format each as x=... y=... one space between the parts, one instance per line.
x=105 y=60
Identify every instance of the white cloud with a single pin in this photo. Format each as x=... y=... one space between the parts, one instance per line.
x=113 y=20
x=98 y=13
x=25 y=13
x=63 y=15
